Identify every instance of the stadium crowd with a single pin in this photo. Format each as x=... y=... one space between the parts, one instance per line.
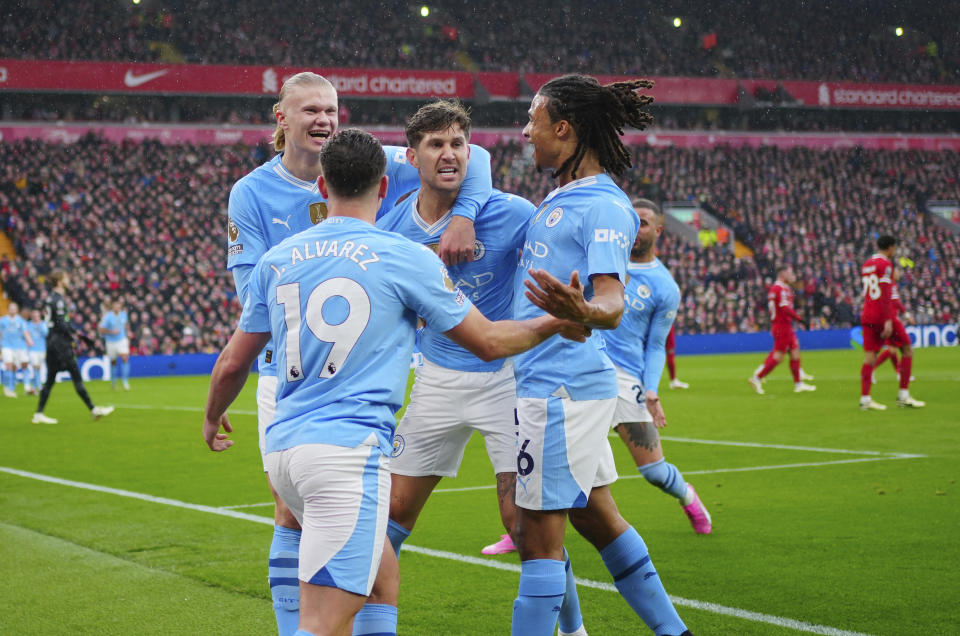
x=745 y=39
x=146 y=222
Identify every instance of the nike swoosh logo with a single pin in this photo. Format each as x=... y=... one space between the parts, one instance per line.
x=133 y=81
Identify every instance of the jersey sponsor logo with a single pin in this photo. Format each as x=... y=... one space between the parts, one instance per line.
x=318 y=212
x=643 y=291
x=235 y=250
x=554 y=217
x=538 y=249
x=609 y=235
x=132 y=80
x=285 y=222
x=398 y=445
x=233 y=232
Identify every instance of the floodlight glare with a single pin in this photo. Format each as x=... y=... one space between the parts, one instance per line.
x=899 y=31
x=424 y=11
x=677 y=22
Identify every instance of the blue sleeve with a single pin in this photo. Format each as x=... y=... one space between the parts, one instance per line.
x=424 y=286
x=256 y=315
x=655 y=352
x=241 y=279
x=247 y=241
x=103 y=322
x=477 y=185
x=607 y=233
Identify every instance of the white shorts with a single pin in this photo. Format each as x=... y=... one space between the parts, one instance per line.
x=266 y=409
x=341 y=497
x=446 y=407
x=631 y=400
x=37 y=358
x=563 y=451
x=16 y=357
x=118 y=348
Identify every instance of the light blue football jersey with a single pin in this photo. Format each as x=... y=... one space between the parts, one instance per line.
x=487 y=280
x=38 y=331
x=113 y=320
x=12 y=330
x=587 y=225
x=638 y=344
x=341 y=300
x=270 y=204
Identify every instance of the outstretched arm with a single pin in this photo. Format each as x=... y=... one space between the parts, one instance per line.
x=228 y=377
x=492 y=340
x=603 y=311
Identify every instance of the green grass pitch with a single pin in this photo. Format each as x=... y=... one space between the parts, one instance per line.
x=827 y=520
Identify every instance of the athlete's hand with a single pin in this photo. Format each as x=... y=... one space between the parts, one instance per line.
x=655 y=409
x=457 y=242
x=576 y=331
x=556 y=298
x=216 y=440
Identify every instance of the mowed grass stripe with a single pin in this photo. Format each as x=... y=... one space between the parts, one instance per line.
x=452 y=556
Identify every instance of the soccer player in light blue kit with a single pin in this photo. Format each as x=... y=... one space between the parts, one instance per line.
x=281 y=198
x=341 y=301
x=455 y=393
x=37 y=352
x=566 y=392
x=637 y=348
x=113 y=328
x=14 y=341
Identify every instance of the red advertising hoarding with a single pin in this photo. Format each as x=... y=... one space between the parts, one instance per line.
x=195 y=79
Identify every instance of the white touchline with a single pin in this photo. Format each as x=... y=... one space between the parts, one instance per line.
x=190 y=409
x=714 y=608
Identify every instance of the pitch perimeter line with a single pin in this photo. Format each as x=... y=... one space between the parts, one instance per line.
x=714 y=608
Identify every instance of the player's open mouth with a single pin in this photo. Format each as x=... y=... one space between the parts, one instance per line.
x=448 y=170
x=319 y=134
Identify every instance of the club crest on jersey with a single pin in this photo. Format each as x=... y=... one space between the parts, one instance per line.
x=643 y=291
x=398 y=445
x=233 y=232
x=478 y=251
x=318 y=212
x=554 y=217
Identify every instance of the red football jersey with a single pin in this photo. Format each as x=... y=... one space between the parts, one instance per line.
x=877 y=289
x=780 y=303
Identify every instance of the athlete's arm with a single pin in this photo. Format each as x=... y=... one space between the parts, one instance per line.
x=227 y=379
x=458 y=241
x=603 y=311
x=492 y=340
x=241 y=278
x=655 y=355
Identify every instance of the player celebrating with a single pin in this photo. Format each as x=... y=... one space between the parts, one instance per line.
x=14 y=341
x=281 y=198
x=341 y=301
x=877 y=321
x=782 y=315
x=113 y=327
x=60 y=356
x=38 y=350
x=567 y=392
x=456 y=393
x=675 y=383
x=637 y=349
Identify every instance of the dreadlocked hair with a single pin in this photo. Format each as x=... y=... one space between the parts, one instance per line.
x=598 y=114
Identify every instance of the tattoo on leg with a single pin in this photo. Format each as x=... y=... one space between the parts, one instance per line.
x=642 y=434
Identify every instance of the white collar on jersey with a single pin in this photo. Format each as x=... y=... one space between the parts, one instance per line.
x=579 y=183
x=646 y=265
x=282 y=172
x=423 y=225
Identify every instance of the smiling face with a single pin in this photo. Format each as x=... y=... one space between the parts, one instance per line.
x=441 y=158
x=308 y=117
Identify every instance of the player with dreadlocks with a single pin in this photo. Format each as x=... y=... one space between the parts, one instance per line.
x=567 y=392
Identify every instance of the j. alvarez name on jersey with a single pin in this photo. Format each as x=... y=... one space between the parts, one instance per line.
x=361 y=254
